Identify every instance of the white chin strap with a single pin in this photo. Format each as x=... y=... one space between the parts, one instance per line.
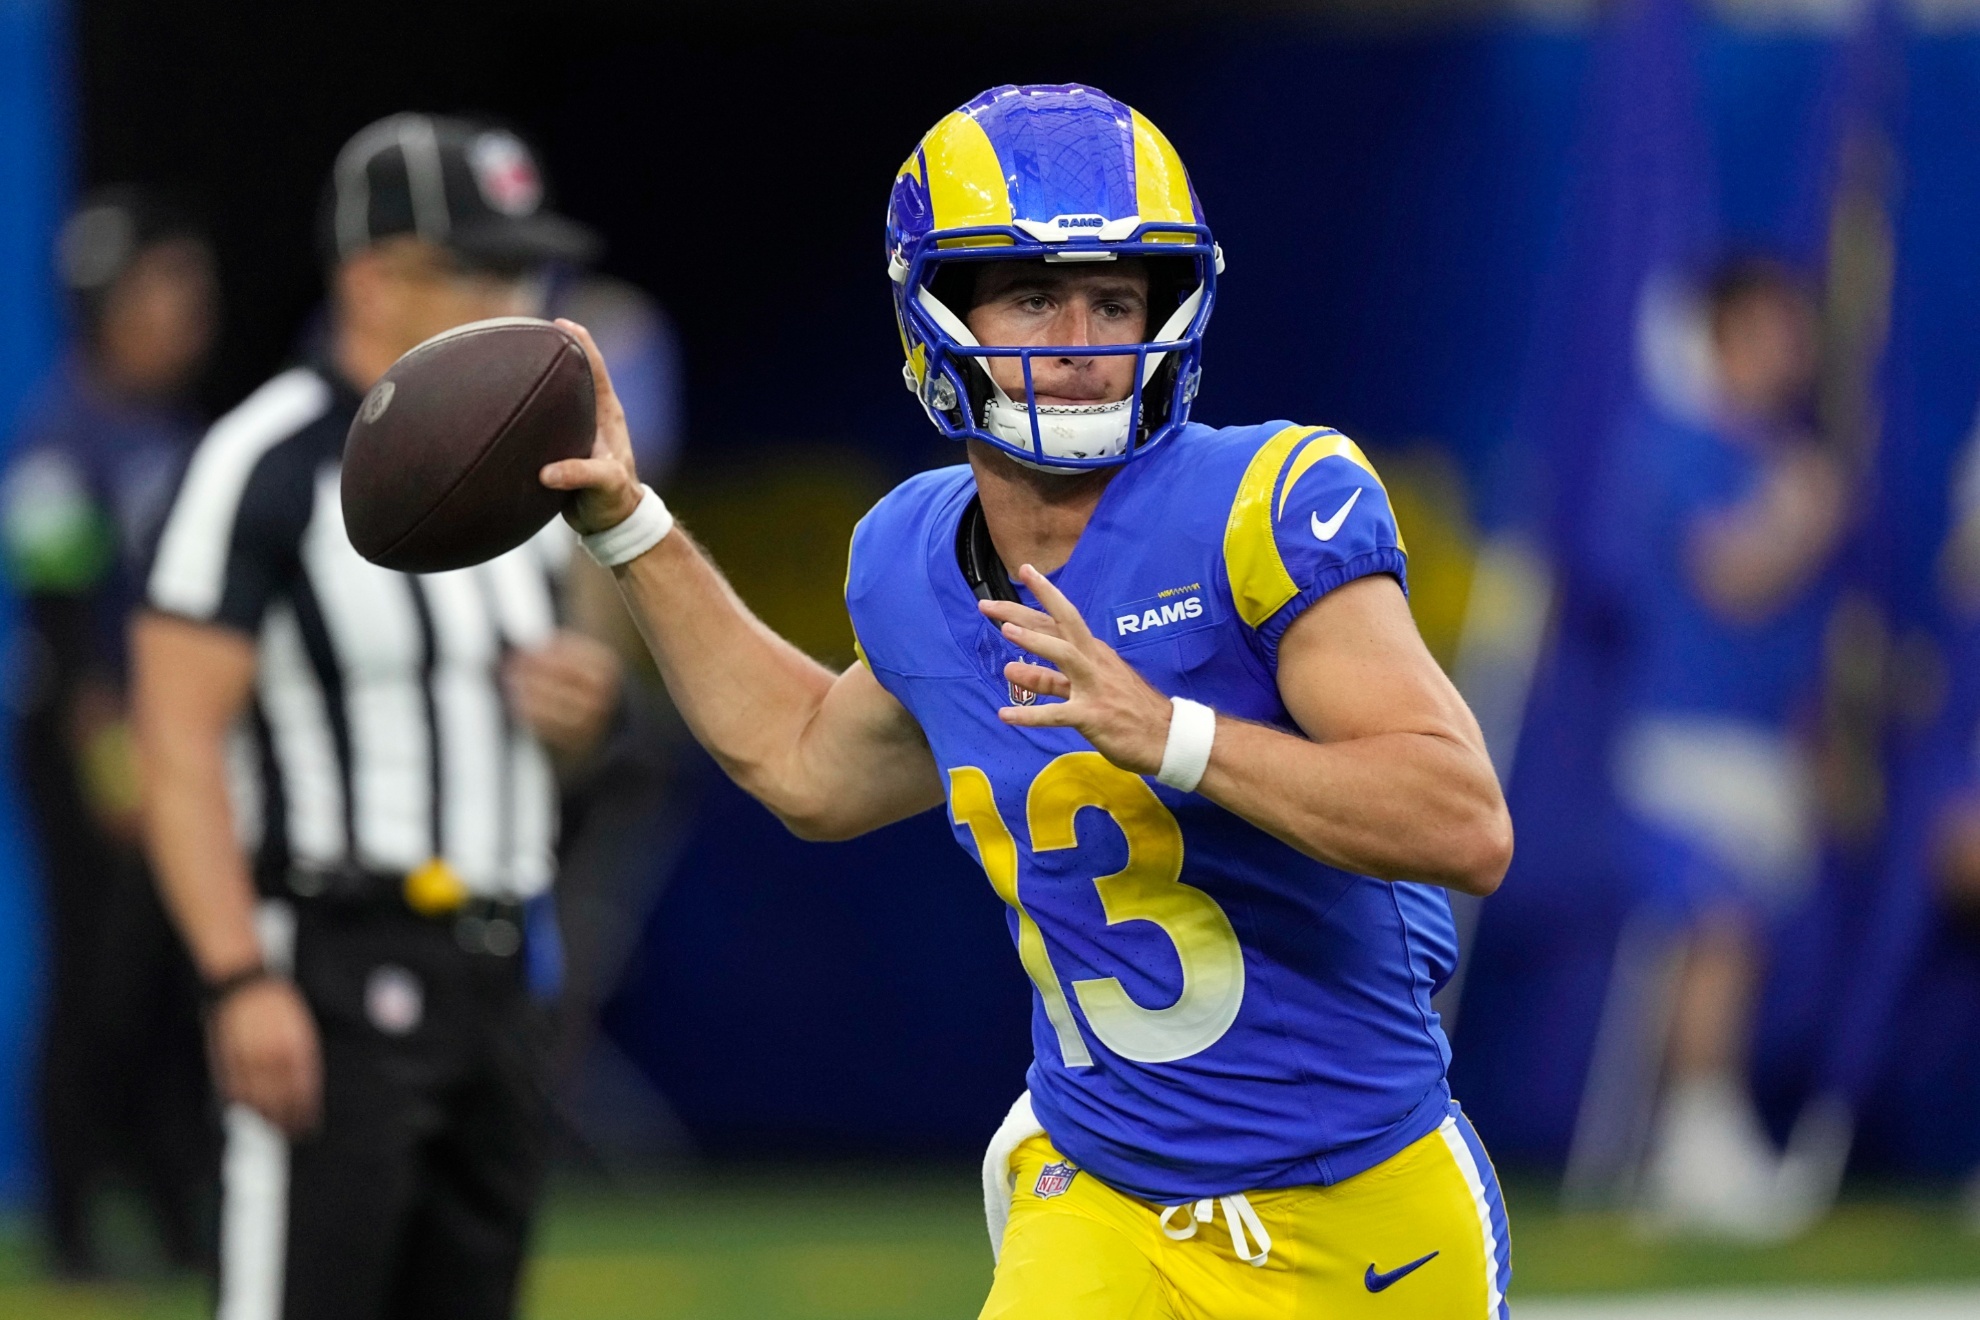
x=1079 y=430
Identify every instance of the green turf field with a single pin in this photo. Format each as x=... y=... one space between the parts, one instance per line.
x=909 y=1246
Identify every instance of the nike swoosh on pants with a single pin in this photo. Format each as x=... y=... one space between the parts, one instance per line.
x=1377 y=1282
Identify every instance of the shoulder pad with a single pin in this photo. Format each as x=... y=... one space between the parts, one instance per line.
x=888 y=562
x=1310 y=514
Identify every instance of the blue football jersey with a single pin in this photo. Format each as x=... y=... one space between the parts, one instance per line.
x=1214 y=1012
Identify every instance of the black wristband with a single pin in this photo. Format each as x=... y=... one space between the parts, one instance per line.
x=215 y=993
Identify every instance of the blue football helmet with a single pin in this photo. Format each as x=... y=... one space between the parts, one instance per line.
x=1060 y=174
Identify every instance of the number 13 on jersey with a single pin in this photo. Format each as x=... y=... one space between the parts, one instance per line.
x=1148 y=888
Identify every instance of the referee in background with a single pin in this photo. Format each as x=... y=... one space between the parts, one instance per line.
x=351 y=784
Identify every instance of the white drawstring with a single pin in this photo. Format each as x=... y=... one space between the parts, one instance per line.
x=1238 y=1214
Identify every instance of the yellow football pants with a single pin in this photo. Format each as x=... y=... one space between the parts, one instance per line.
x=1420 y=1236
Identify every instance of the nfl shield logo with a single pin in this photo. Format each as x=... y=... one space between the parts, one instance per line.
x=505 y=173
x=1054 y=1179
x=1022 y=696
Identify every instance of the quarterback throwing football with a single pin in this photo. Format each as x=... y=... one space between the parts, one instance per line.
x=1165 y=679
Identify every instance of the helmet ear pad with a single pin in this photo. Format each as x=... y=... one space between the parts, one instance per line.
x=1171 y=280
x=953 y=284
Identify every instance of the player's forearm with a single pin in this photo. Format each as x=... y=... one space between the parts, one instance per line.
x=746 y=693
x=189 y=833
x=1397 y=806
x=1746 y=573
x=1750 y=561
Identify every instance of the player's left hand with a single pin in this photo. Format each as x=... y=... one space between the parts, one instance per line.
x=1125 y=719
x=564 y=691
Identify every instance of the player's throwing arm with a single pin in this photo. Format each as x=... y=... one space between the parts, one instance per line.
x=833 y=755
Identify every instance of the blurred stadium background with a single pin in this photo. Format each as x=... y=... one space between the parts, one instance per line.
x=1440 y=216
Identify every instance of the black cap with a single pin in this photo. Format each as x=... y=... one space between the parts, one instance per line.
x=471 y=187
x=106 y=234
x=107 y=231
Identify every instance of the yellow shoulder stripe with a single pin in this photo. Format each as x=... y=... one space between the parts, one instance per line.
x=1260 y=583
x=846 y=594
x=1331 y=444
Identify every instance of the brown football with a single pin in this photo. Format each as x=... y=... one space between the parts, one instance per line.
x=440 y=467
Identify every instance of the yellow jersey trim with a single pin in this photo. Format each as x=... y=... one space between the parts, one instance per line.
x=1331 y=444
x=1260 y=584
x=845 y=594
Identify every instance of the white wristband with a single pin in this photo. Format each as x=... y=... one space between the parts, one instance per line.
x=645 y=527
x=1192 y=728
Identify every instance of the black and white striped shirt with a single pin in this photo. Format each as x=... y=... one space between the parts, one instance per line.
x=379 y=738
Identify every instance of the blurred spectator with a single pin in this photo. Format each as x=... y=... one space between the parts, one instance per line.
x=1722 y=522
x=1956 y=858
x=1955 y=841
x=123 y=1093
x=1956 y=868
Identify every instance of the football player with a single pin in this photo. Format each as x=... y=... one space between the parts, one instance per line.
x=1165 y=679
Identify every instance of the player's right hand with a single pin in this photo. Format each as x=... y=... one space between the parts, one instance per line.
x=604 y=487
x=266 y=1055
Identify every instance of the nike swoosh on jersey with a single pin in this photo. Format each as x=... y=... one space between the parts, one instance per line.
x=1325 y=530
x=1377 y=1282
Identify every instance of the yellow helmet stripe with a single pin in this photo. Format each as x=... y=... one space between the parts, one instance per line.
x=1260 y=584
x=966 y=185
x=1161 y=187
